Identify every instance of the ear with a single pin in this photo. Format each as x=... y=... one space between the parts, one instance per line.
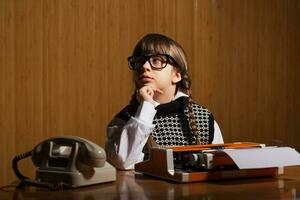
x=176 y=77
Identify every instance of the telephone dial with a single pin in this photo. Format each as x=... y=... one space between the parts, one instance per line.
x=66 y=162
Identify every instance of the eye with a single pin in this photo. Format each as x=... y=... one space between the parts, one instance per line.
x=156 y=60
x=136 y=62
x=139 y=61
x=159 y=59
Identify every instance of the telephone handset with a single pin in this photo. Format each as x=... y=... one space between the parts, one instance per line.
x=67 y=162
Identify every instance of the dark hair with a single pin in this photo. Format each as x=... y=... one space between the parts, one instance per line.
x=160 y=44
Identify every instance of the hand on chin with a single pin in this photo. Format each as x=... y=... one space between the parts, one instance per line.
x=148 y=92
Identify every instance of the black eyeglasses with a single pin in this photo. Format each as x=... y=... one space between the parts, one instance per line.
x=156 y=61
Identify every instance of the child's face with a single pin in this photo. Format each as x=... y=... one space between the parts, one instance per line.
x=164 y=79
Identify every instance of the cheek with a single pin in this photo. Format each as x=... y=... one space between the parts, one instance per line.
x=165 y=79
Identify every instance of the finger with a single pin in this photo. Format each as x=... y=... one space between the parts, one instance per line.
x=146 y=92
x=150 y=92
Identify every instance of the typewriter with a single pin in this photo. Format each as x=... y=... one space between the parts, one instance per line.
x=212 y=162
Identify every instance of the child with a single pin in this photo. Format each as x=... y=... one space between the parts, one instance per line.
x=161 y=111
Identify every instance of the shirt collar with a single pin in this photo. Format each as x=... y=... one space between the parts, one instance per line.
x=180 y=94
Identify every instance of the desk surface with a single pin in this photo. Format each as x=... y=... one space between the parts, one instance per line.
x=131 y=185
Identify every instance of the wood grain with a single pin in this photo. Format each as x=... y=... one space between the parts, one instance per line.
x=63 y=68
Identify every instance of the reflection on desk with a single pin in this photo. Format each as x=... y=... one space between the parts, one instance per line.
x=131 y=185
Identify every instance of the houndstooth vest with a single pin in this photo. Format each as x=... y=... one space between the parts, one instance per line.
x=172 y=127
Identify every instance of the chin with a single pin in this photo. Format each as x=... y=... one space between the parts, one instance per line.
x=147 y=84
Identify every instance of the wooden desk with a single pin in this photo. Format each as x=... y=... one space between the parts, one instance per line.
x=131 y=185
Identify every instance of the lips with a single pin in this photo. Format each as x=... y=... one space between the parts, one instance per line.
x=145 y=78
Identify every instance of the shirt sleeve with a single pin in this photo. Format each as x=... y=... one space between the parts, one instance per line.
x=218 y=138
x=126 y=140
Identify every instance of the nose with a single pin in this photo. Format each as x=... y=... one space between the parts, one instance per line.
x=146 y=66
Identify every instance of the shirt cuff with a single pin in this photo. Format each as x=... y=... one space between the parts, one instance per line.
x=146 y=112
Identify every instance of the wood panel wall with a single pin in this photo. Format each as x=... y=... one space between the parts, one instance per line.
x=63 y=66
